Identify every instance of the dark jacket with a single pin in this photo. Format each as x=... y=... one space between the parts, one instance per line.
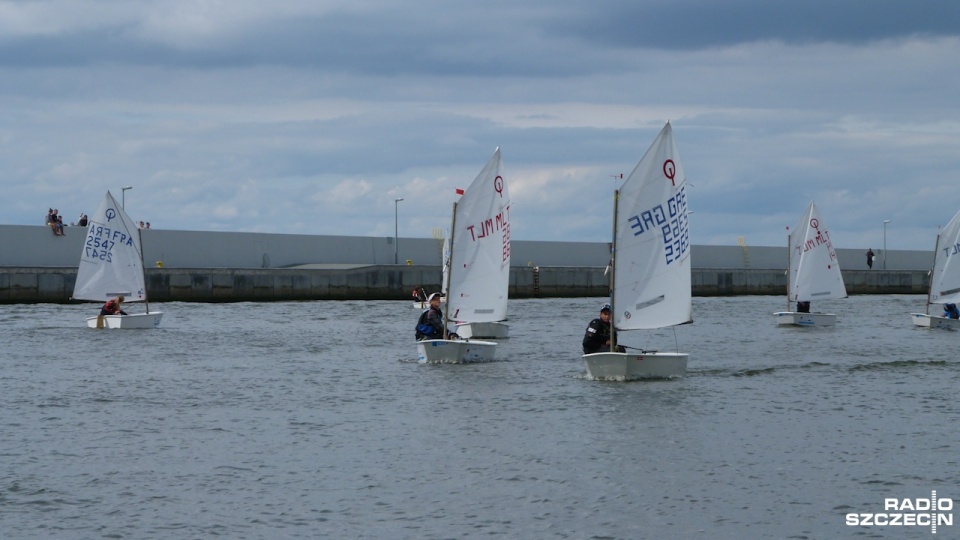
x=430 y=324
x=596 y=337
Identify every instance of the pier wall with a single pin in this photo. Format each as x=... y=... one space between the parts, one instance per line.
x=36 y=266
x=395 y=282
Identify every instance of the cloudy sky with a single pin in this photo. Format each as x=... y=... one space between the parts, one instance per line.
x=312 y=116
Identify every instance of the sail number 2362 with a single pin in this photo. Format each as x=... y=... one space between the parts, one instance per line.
x=670 y=219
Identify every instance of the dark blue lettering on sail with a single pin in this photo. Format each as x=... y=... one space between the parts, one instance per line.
x=101 y=241
x=671 y=222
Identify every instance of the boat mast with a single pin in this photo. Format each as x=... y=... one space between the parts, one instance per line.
x=143 y=269
x=613 y=272
x=788 y=271
x=449 y=266
x=936 y=253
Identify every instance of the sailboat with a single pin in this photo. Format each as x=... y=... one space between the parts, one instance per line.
x=650 y=276
x=945 y=278
x=814 y=273
x=423 y=304
x=111 y=264
x=476 y=271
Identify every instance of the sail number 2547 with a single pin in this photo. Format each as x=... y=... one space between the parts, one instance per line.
x=100 y=249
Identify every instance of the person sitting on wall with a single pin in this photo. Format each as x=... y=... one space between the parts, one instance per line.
x=803 y=307
x=950 y=311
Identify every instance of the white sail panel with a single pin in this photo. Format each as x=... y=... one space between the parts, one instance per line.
x=445 y=255
x=652 y=242
x=814 y=269
x=110 y=262
x=945 y=281
x=480 y=253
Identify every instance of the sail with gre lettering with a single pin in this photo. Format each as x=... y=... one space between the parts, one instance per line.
x=652 y=280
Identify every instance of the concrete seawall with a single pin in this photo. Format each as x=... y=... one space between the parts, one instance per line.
x=197 y=266
x=394 y=282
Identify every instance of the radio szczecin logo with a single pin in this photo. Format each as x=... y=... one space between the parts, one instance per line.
x=932 y=512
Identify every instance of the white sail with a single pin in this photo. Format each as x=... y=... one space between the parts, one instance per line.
x=110 y=262
x=480 y=254
x=945 y=281
x=652 y=242
x=814 y=270
x=445 y=255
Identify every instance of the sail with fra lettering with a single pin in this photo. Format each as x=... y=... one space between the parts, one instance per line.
x=111 y=265
x=480 y=255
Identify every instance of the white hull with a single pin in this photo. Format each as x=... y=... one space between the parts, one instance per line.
x=635 y=366
x=484 y=330
x=932 y=321
x=794 y=318
x=454 y=351
x=136 y=321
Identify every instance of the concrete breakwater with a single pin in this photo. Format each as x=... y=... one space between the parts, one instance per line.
x=36 y=266
x=395 y=282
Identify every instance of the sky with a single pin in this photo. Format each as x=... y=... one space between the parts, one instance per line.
x=313 y=116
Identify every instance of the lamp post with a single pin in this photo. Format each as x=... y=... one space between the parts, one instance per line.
x=396 y=238
x=123 y=197
x=885 y=243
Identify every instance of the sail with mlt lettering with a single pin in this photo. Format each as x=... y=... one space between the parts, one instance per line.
x=480 y=253
x=945 y=280
x=652 y=278
x=814 y=269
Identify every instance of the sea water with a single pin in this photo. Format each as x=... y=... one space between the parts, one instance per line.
x=313 y=420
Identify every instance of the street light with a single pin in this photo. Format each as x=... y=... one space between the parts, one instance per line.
x=123 y=197
x=885 y=243
x=396 y=239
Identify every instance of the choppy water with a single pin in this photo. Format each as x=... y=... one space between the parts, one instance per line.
x=310 y=420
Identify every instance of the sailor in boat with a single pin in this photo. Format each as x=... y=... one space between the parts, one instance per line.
x=803 y=307
x=430 y=324
x=113 y=307
x=597 y=337
x=950 y=311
